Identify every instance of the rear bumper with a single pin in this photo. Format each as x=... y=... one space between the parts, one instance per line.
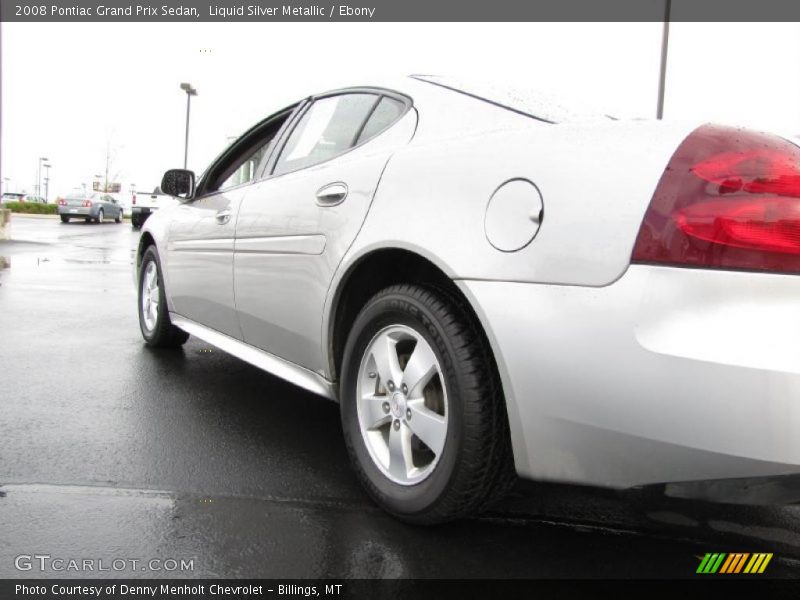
x=667 y=375
x=75 y=211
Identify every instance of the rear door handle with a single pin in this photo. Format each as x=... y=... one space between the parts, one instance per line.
x=332 y=194
x=223 y=216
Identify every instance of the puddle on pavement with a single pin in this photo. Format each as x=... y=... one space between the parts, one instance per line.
x=86 y=261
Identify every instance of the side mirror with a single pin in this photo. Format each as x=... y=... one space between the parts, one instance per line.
x=178 y=182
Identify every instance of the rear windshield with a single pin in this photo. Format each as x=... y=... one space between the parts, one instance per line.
x=534 y=103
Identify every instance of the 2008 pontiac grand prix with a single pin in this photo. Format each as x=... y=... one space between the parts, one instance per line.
x=492 y=286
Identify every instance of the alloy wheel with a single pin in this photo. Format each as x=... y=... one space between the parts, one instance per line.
x=402 y=404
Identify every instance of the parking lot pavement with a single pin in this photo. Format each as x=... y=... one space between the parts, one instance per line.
x=111 y=450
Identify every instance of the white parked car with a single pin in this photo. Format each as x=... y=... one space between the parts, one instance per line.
x=490 y=286
x=21 y=197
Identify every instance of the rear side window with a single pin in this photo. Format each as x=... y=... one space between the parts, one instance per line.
x=386 y=113
x=329 y=127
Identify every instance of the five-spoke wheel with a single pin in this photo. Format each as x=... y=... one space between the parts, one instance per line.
x=150 y=295
x=422 y=410
x=157 y=329
x=402 y=404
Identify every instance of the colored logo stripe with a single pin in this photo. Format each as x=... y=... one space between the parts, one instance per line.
x=758 y=563
x=720 y=562
x=711 y=563
x=734 y=563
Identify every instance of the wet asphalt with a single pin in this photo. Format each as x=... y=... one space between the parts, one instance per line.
x=110 y=450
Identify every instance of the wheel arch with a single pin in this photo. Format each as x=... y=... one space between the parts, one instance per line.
x=145 y=241
x=370 y=273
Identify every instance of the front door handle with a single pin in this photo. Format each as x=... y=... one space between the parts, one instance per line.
x=223 y=216
x=332 y=194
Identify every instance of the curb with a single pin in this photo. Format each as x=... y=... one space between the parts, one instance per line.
x=32 y=216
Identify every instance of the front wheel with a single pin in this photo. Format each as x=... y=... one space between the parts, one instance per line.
x=422 y=410
x=99 y=217
x=157 y=329
x=118 y=219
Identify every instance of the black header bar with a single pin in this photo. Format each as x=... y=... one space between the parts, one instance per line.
x=190 y=11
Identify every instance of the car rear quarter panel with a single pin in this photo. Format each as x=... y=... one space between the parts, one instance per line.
x=596 y=181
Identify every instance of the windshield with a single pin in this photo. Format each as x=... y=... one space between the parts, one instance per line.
x=534 y=103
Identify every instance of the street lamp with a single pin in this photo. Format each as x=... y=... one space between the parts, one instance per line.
x=662 y=78
x=39 y=176
x=47 y=182
x=190 y=91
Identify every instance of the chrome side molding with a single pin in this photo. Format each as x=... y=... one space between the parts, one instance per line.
x=300 y=376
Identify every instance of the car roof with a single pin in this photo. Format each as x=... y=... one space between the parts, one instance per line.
x=519 y=97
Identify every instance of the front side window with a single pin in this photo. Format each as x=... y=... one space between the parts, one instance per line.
x=247 y=170
x=328 y=128
x=242 y=162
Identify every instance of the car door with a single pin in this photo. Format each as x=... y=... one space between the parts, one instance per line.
x=297 y=223
x=115 y=207
x=108 y=207
x=201 y=234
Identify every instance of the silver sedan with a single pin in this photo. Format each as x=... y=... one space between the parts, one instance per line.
x=491 y=285
x=92 y=207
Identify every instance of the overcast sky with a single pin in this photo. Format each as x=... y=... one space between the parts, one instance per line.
x=70 y=91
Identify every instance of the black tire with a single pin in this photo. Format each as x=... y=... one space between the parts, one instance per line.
x=135 y=224
x=100 y=215
x=475 y=467
x=64 y=219
x=88 y=219
x=118 y=218
x=164 y=334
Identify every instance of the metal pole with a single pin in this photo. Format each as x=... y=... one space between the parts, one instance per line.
x=186 y=147
x=47 y=184
x=39 y=179
x=664 y=47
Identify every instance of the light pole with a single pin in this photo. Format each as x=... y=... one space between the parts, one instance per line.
x=47 y=182
x=662 y=80
x=190 y=91
x=39 y=176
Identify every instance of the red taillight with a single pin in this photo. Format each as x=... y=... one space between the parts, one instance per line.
x=62 y=202
x=729 y=199
x=87 y=203
x=134 y=199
